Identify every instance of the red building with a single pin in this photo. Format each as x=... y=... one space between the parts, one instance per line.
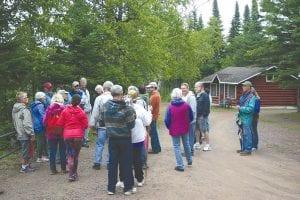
x=225 y=86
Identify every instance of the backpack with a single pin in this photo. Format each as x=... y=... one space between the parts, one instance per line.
x=52 y=126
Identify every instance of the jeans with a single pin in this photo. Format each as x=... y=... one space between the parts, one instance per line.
x=192 y=135
x=154 y=138
x=187 y=149
x=247 y=138
x=120 y=151
x=73 y=146
x=41 y=143
x=143 y=155
x=53 y=145
x=254 y=130
x=137 y=163
x=100 y=141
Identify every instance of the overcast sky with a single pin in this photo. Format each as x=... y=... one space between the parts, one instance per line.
x=226 y=9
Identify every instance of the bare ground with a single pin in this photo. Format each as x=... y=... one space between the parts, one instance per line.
x=273 y=172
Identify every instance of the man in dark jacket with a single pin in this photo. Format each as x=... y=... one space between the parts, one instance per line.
x=119 y=119
x=203 y=110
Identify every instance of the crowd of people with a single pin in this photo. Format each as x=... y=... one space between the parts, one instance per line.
x=60 y=123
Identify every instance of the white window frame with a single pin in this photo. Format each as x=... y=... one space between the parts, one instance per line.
x=215 y=90
x=234 y=91
x=270 y=80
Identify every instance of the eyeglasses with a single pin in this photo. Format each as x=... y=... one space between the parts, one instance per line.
x=76 y=86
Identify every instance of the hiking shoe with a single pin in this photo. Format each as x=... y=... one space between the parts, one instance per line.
x=53 y=172
x=207 y=148
x=197 y=146
x=96 y=166
x=120 y=184
x=130 y=192
x=179 y=169
x=72 y=178
x=245 y=153
x=254 y=149
x=110 y=193
x=26 y=169
x=238 y=151
x=140 y=184
x=45 y=159
x=190 y=164
x=39 y=160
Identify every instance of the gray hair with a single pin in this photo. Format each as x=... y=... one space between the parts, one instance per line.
x=108 y=85
x=83 y=80
x=57 y=98
x=39 y=95
x=116 y=90
x=198 y=83
x=132 y=87
x=176 y=93
x=99 y=88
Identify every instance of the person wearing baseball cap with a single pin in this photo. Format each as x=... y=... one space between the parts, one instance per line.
x=48 y=91
x=246 y=109
x=154 y=108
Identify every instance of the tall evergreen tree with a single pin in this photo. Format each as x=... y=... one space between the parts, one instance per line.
x=246 y=20
x=235 y=23
x=255 y=18
x=200 y=23
x=216 y=12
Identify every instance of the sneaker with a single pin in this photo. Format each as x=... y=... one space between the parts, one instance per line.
x=190 y=164
x=96 y=166
x=245 y=153
x=39 y=160
x=120 y=184
x=130 y=192
x=85 y=145
x=179 y=169
x=53 y=172
x=45 y=159
x=207 y=148
x=197 y=146
x=110 y=193
x=26 y=169
x=254 y=149
x=238 y=151
x=145 y=166
x=140 y=184
x=72 y=178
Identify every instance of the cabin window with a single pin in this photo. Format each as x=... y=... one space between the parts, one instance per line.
x=231 y=91
x=213 y=89
x=270 y=78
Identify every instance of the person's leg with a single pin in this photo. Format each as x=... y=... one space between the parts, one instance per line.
x=126 y=157
x=254 y=131
x=71 y=157
x=113 y=166
x=247 y=138
x=155 y=144
x=39 y=138
x=177 y=151
x=45 y=146
x=191 y=136
x=187 y=148
x=52 y=150
x=62 y=153
x=99 y=146
x=25 y=146
x=137 y=163
x=76 y=146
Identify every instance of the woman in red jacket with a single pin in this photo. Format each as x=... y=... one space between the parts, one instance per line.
x=74 y=121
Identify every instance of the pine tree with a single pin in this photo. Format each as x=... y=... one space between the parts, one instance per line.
x=216 y=10
x=255 y=18
x=200 y=23
x=247 y=20
x=235 y=23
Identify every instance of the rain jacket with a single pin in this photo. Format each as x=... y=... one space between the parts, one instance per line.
x=74 y=120
x=38 y=111
x=247 y=104
x=52 y=112
x=22 y=119
x=191 y=100
x=119 y=119
x=178 y=117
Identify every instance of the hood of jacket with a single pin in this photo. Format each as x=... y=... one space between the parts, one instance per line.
x=74 y=110
x=34 y=104
x=114 y=106
x=18 y=106
x=177 y=102
x=55 y=108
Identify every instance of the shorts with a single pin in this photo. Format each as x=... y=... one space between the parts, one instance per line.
x=202 y=124
x=25 y=146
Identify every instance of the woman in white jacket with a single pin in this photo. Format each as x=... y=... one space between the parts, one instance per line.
x=143 y=119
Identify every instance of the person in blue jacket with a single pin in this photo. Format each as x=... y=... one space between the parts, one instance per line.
x=38 y=109
x=255 y=120
x=246 y=109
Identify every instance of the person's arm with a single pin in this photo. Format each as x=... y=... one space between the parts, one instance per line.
x=191 y=114
x=155 y=107
x=84 y=120
x=27 y=122
x=95 y=113
x=147 y=117
x=130 y=117
x=249 y=107
x=168 y=118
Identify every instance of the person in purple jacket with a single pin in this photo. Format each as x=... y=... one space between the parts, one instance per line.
x=178 y=117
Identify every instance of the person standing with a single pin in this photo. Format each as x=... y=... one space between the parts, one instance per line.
x=154 y=108
x=48 y=90
x=87 y=107
x=246 y=109
x=178 y=117
x=189 y=97
x=99 y=91
x=203 y=110
x=97 y=124
x=119 y=119
x=74 y=121
x=53 y=134
x=23 y=124
x=38 y=112
x=255 y=120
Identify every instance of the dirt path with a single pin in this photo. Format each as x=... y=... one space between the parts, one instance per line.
x=273 y=172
